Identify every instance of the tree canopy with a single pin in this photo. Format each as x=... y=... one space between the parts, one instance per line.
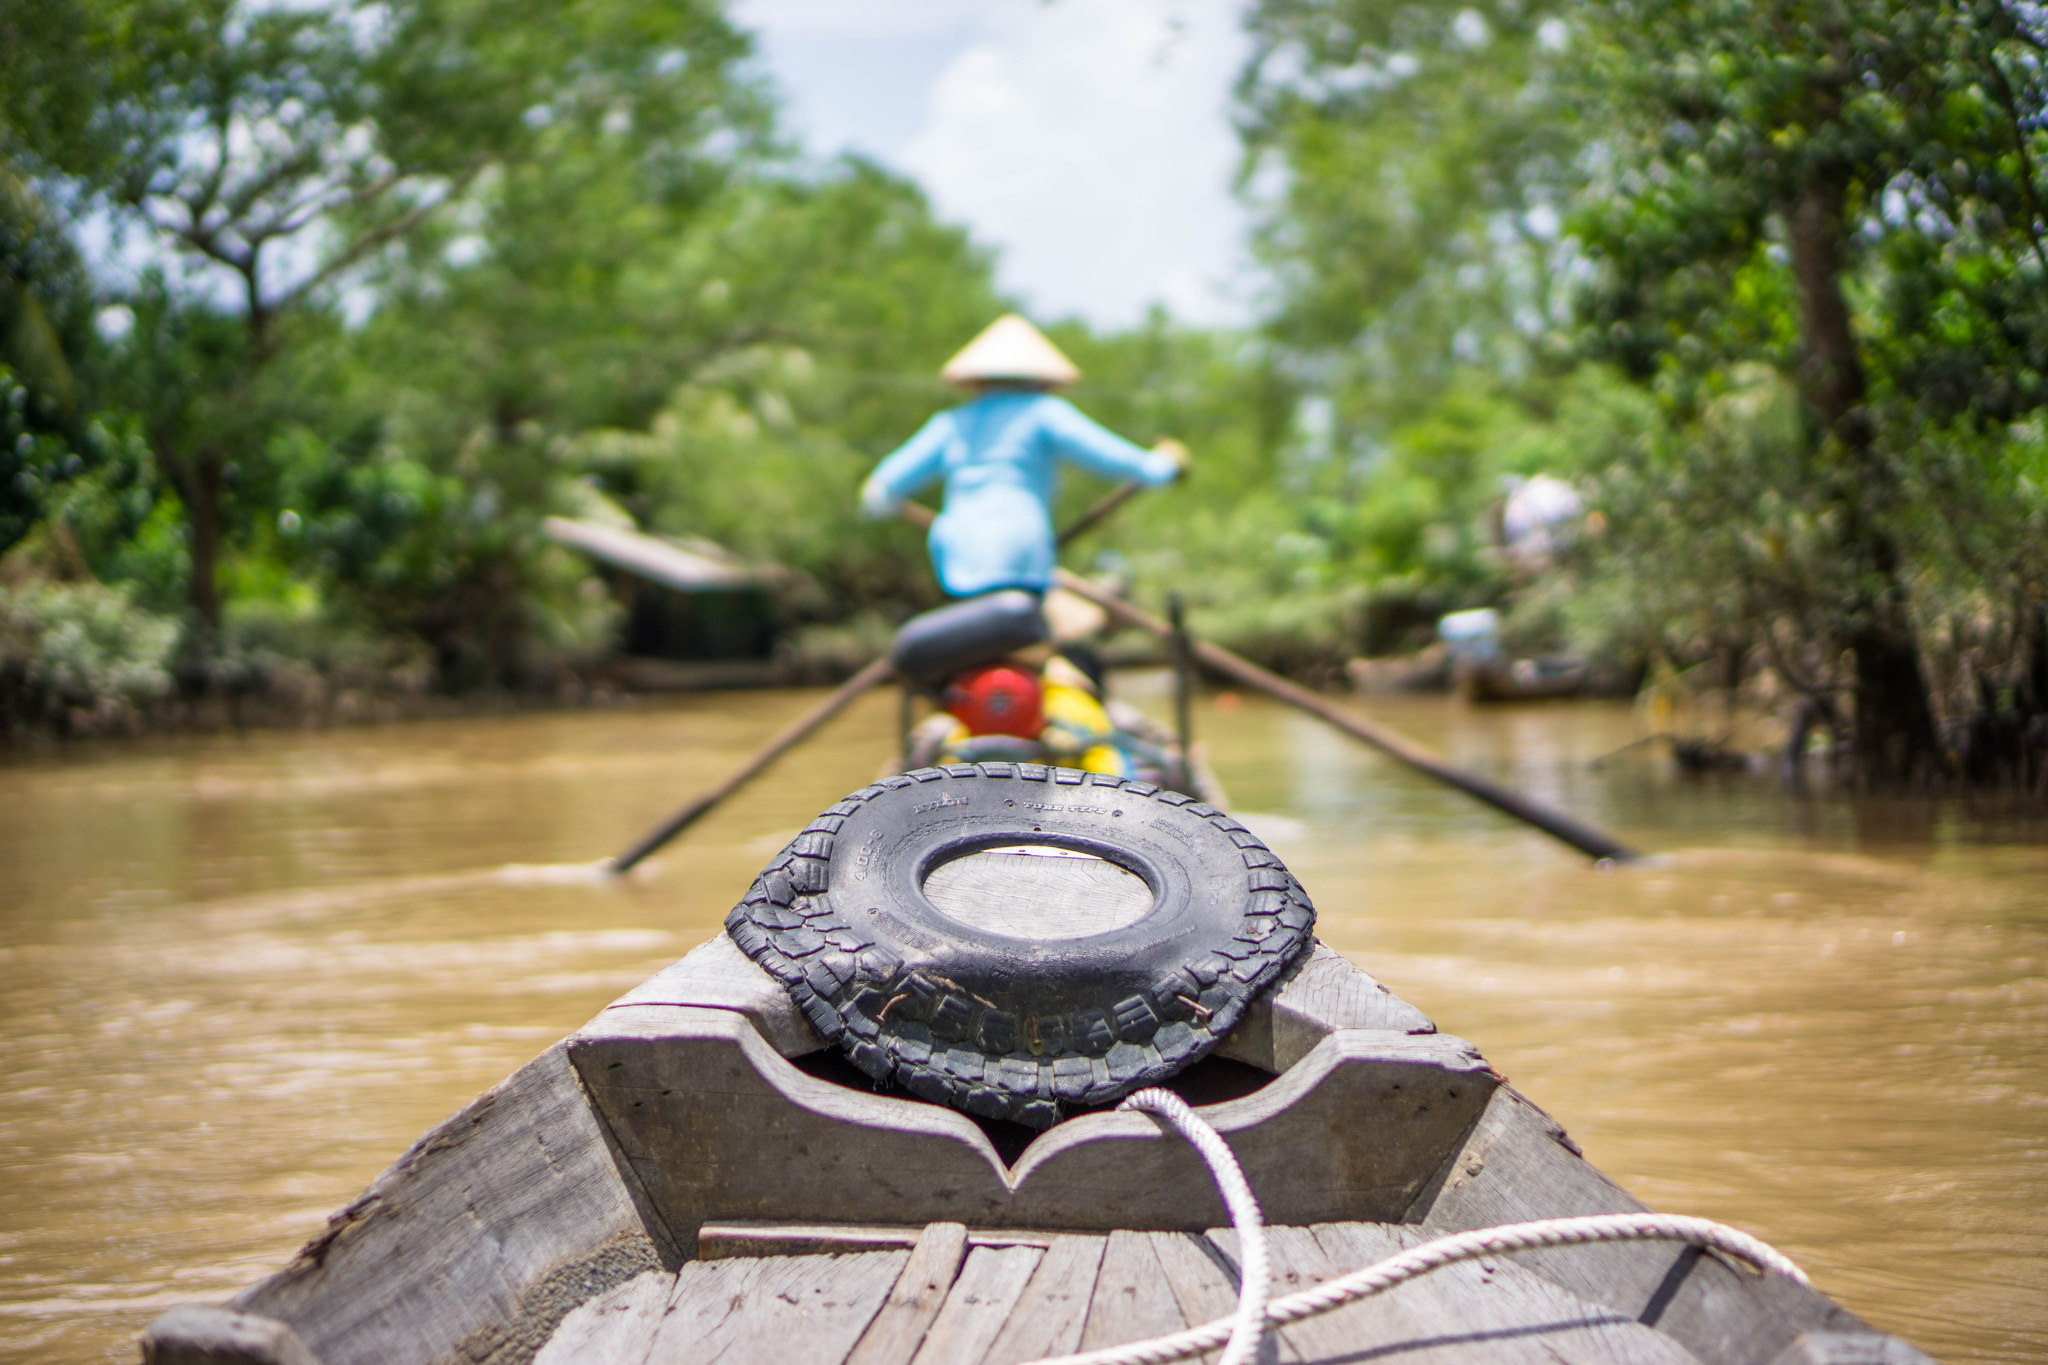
x=1808 y=232
x=310 y=315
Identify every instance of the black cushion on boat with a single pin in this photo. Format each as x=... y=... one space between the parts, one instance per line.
x=1016 y=1025
x=932 y=647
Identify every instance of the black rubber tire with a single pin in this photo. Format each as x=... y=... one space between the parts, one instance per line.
x=1013 y=1028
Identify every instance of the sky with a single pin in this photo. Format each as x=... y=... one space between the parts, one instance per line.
x=1089 y=141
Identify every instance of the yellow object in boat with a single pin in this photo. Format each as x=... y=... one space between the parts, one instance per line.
x=1079 y=734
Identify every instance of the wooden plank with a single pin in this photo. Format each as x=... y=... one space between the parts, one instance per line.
x=1132 y=1301
x=1383 y=1327
x=718 y=1241
x=1850 y=1348
x=703 y=1297
x=1299 y=1262
x=478 y=1241
x=723 y=1241
x=1334 y=992
x=787 y=1308
x=206 y=1334
x=1517 y=1165
x=1050 y=1314
x=1495 y=1309
x=920 y=1291
x=615 y=1328
x=1202 y=1282
x=1038 y=892
x=717 y=975
x=990 y=1283
x=719 y=1127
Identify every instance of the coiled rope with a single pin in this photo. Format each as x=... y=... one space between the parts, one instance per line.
x=1245 y=1329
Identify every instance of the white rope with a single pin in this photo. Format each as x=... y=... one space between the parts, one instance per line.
x=1383 y=1275
x=1247 y=1327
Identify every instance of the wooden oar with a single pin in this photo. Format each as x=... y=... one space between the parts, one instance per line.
x=1114 y=499
x=794 y=734
x=1588 y=840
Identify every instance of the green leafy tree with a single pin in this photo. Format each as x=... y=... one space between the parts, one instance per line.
x=792 y=336
x=1810 y=230
x=280 y=151
x=1411 y=166
x=1846 y=191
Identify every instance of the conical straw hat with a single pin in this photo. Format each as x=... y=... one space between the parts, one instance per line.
x=1010 y=348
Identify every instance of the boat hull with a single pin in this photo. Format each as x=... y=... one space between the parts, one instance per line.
x=601 y=1183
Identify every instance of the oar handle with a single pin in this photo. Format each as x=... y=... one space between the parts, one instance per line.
x=1087 y=521
x=792 y=735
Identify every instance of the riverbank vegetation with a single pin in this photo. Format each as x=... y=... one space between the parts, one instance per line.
x=309 y=316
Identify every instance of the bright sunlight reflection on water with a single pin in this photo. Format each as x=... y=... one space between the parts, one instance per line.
x=239 y=976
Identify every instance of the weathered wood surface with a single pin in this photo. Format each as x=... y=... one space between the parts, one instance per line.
x=717 y=975
x=920 y=1291
x=476 y=1243
x=1132 y=1300
x=1509 y=1309
x=1202 y=1281
x=773 y=1308
x=998 y=1305
x=716 y=1241
x=1038 y=895
x=566 y=1197
x=1455 y=1316
x=1053 y=1308
x=1518 y=1164
x=1848 y=1348
x=990 y=1284
x=618 y=1325
x=1323 y=993
x=720 y=1127
x=203 y=1334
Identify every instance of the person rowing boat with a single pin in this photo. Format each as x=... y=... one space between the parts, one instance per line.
x=1000 y=456
x=1006 y=695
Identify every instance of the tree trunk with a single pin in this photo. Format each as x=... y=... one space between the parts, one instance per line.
x=1831 y=371
x=1894 y=740
x=199 y=486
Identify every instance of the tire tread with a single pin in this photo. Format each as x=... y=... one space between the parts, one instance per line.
x=935 y=1042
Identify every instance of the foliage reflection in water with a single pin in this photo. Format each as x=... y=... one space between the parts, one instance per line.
x=237 y=977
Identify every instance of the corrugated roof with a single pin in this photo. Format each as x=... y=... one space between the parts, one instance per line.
x=656 y=560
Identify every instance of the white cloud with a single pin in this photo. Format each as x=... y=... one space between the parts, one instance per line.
x=1089 y=141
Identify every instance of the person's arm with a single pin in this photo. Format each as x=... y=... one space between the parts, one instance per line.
x=908 y=468
x=1101 y=451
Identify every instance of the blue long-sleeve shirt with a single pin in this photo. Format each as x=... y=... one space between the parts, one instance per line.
x=1000 y=458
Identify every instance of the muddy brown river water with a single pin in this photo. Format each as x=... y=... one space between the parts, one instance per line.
x=239 y=976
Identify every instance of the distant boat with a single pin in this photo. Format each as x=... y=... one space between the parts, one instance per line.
x=1489 y=680
x=1481 y=669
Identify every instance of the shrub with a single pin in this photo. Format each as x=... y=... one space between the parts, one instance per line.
x=79 y=657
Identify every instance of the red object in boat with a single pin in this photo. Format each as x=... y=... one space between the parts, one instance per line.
x=997 y=700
